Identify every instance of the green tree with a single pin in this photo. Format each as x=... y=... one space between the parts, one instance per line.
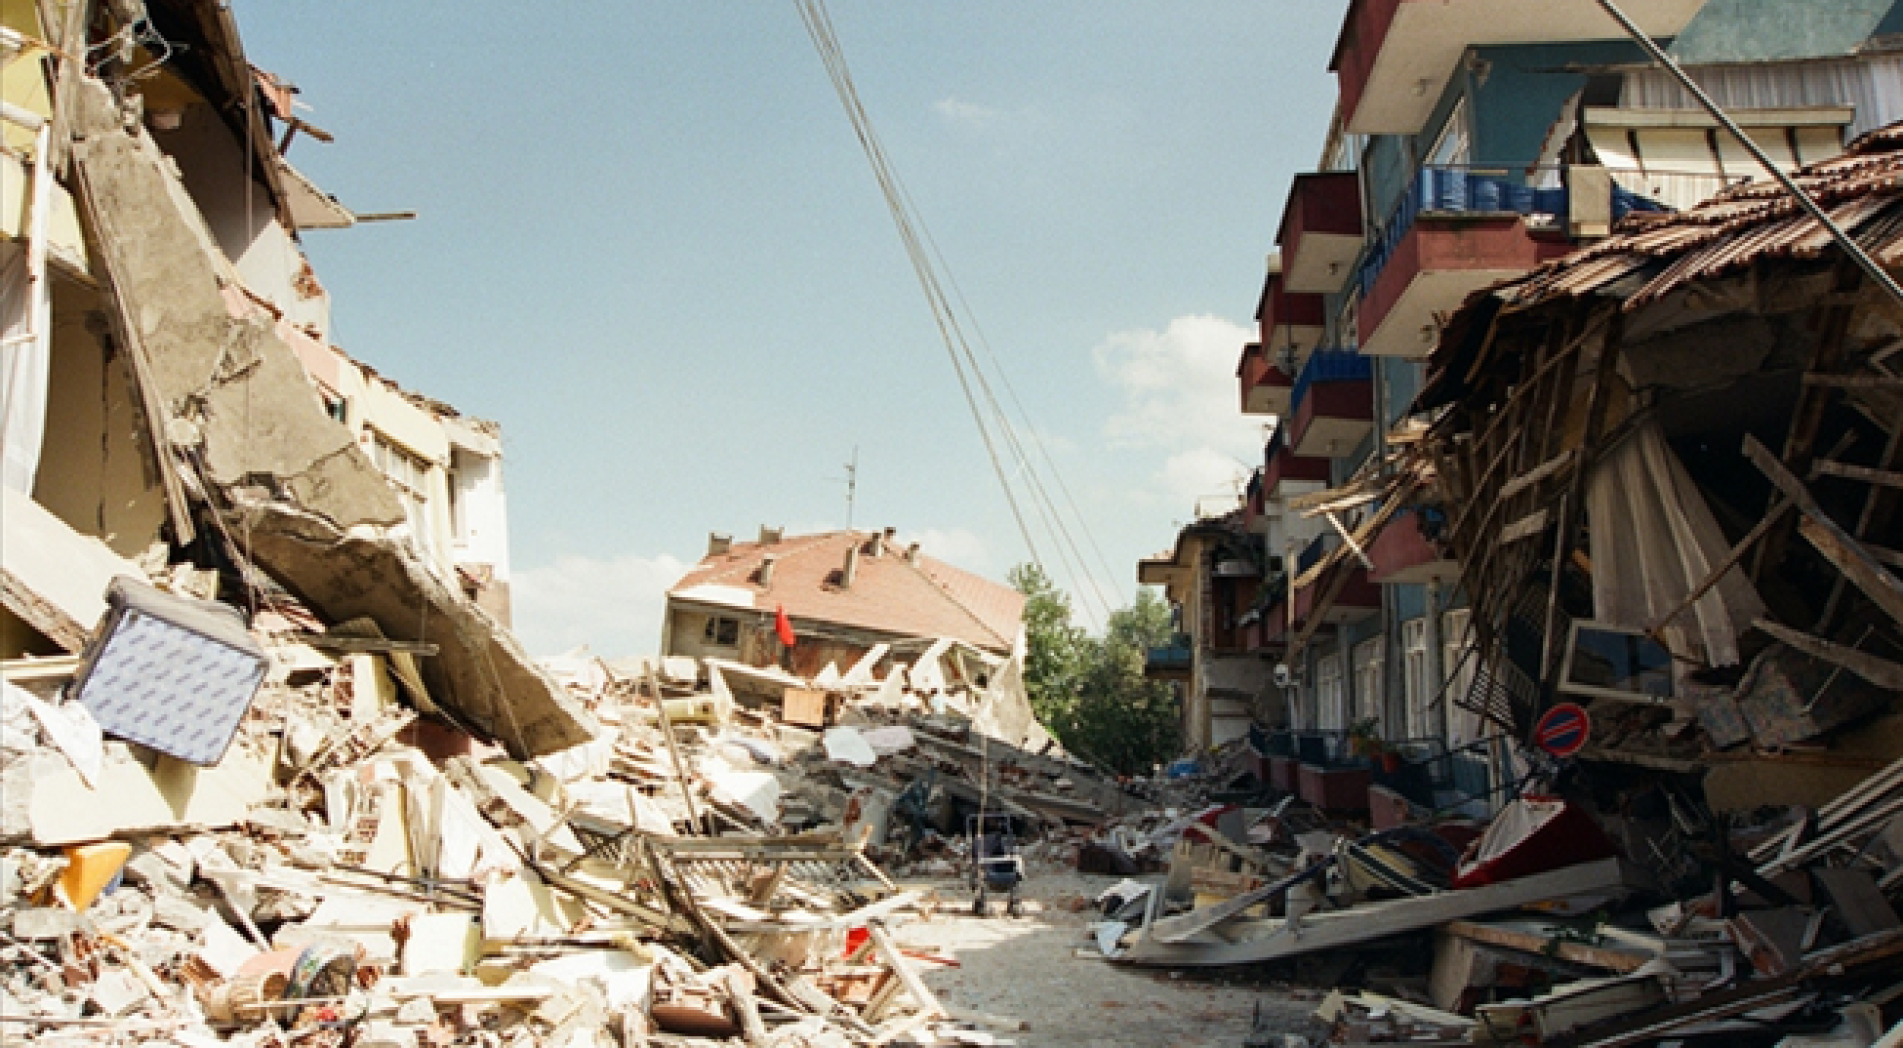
x=1054 y=648
x=1123 y=720
x=1090 y=691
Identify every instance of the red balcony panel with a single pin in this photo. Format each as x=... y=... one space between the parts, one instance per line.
x=1364 y=31
x=1393 y=58
x=1359 y=598
x=1332 y=418
x=1335 y=790
x=1287 y=321
x=1403 y=555
x=1442 y=260
x=1284 y=464
x=1321 y=232
x=1266 y=388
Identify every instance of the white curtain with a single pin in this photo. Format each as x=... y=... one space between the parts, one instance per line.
x=1653 y=540
x=1873 y=84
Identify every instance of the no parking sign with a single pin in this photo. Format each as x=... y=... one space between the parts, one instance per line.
x=1562 y=732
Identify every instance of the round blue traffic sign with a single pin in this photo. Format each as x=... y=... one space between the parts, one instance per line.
x=1562 y=731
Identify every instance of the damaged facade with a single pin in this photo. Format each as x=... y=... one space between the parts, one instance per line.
x=814 y=605
x=171 y=388
x=1513 y=143
x=1586 y=729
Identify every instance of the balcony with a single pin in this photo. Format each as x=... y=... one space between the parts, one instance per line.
x=1359 y=598
x=1332 y=404
x=1265 y=386
x=1289 y=323
x=1280 y=464
x=1454 y=232
x=1321 y=233
x=1171 y=661
x=1403 y=555
x=1255 y=507
x=1394 y=57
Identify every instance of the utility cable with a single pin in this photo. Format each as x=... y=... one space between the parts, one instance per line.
x=973 y=383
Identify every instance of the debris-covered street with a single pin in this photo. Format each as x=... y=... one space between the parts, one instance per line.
x=1538 y=686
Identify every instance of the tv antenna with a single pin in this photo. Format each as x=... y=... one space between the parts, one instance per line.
x=852 y=484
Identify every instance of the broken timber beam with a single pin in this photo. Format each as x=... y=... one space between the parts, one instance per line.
x=1836 y=545
x=1879 y=671
x=1249 y=942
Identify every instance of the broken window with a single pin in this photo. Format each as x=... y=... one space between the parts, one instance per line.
x=410 y=474
x=1609 y=662
x=722 y=630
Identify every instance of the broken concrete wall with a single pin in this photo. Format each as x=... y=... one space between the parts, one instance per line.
x=257 y=413
x=97 y=471
x=234 y=397
x=480 y=671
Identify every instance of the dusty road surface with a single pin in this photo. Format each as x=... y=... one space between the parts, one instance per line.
x=1038 y=979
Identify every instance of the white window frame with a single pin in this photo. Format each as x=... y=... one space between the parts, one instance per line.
x=717 y=625
x=1414 y=682
x=409 y=473
x=1462 y=726
x=1331 y=707
x=1453 y=147
x=1370 y=663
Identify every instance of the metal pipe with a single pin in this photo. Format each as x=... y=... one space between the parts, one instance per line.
x=1869 y=265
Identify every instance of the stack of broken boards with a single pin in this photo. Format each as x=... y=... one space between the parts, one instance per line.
x=1802 y=939
x=330 y=882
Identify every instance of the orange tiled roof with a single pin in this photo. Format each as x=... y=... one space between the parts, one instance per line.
x=888 y=594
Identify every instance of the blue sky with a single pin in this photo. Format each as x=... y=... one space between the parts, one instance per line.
x=650 y=247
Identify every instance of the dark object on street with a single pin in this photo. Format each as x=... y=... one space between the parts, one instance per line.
x=996 y=865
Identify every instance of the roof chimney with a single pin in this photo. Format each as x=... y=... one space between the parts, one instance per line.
x=911 y=554
x=771 y=536
x=876 y=545
x=718 y=544
x=851 y=568
x=766 y=569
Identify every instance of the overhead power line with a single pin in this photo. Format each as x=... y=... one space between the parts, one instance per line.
x=1000 y=437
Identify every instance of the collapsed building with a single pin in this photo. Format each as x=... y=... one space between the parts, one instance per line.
x=170 y=388
x=815 y=605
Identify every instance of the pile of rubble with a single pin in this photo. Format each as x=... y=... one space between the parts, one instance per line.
x=265 y=833
x=1609 y=912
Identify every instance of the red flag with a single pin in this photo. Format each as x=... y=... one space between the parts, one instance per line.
x=783 y=626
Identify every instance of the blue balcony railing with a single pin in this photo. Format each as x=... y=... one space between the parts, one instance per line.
x=1466 y=190
x=1329 y=366
x=1172 y=657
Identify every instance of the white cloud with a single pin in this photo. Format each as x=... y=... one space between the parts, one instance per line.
x=1202 y=477
x=1179 y=387
x=1179 y=405
x=957 y=547
x=967 y=114
x=614 y=605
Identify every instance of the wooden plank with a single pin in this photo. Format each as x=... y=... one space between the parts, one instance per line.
x=1524 y=937
x=1551 y=467
x=1889 y=478
x=1250 y=942
x=902 y=966
x=1832 y=541
x=1526 y=527
x=1348 y=538
x=805 y=707
x=1857 y=381
x=1856 y=563
x=674 y=751
x=1879 y=671
x=1858 y=901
